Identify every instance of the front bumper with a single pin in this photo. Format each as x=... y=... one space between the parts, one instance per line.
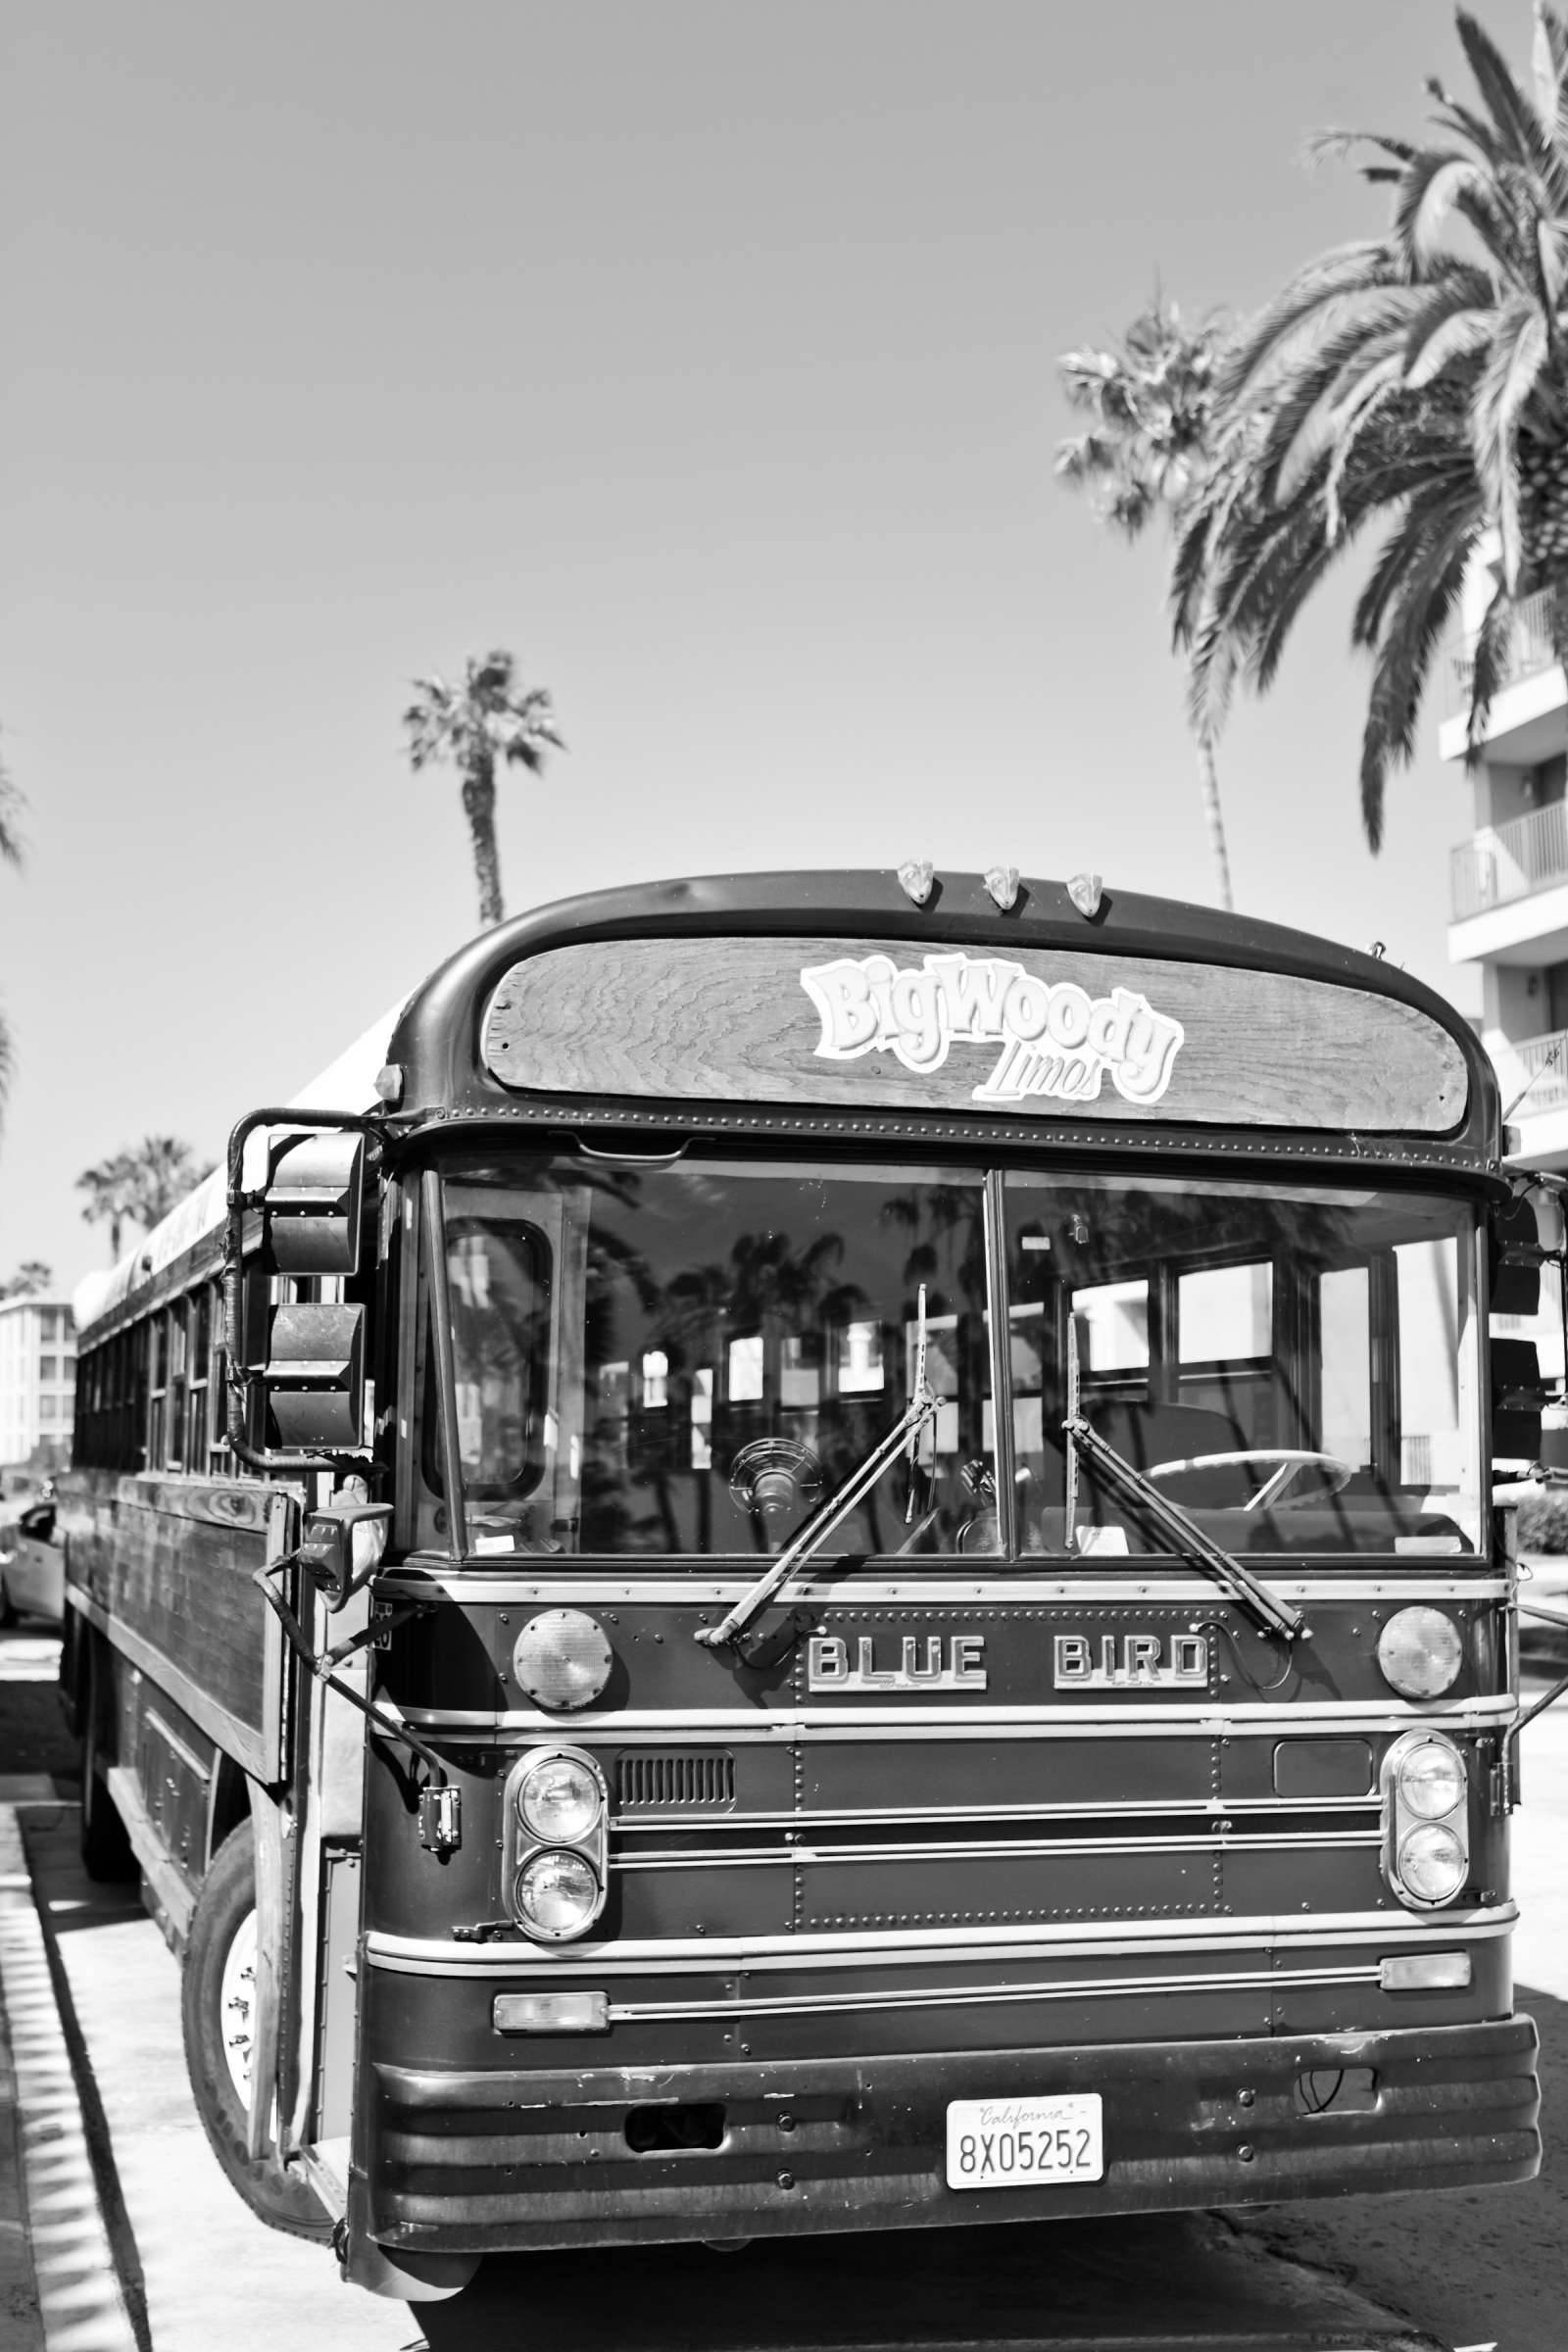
x=484 y=2162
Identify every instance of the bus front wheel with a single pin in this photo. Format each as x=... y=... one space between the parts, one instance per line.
x=218 y=2001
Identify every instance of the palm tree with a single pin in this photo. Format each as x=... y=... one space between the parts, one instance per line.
x=1149 y=450
x=29 y=1281
x=165 y=1168
x=485 y=719
x=109 y=1190
x=1421 y=380
x=140 y=1186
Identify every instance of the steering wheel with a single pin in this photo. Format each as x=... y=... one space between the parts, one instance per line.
x=1289 y=1462
x=774 y=1476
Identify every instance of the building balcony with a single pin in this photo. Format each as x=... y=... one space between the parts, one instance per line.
x=1509 y=891
x=1530 y=649
x=1526 y=720
x=1532 y=1075
x=1503 y=863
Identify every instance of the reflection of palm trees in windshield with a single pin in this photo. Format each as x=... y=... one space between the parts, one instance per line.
x=946 y=1223
x=773 y=1291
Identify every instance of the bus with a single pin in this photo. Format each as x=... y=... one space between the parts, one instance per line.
x=818 y=1551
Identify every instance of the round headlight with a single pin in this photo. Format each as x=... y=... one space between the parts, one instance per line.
x=558 y=1800
x=562 y=1659
x=557 y=1896
x=1431 y=1780
x=1432 y=1863
x=1420 y=1653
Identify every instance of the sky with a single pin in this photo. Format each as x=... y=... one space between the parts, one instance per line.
x=702 y=352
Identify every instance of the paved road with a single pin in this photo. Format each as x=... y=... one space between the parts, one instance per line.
x=1466 y=2268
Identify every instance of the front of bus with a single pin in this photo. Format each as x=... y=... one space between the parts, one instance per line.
x=942 y=1452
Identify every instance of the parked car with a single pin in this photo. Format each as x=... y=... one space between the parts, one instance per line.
x=31 y=1560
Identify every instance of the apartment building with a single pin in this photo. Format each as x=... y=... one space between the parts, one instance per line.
x=1508 y=907
x=1508 y=888
x=37 y=1383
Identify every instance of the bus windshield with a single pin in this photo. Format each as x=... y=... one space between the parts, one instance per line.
x=686 y=1358
x=1296 y=1368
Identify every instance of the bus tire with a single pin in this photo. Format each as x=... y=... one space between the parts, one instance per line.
x=212 y=2006
x=106 y=1851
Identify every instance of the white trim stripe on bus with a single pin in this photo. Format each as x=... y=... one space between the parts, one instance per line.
x=686 y=1725
x=483 y=1585
x=1214 y=1842
x=658 y=1822
x=934 y=1947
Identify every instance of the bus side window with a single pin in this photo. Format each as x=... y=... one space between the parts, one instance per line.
x=1113 y=1320
x=1345 y=1323
x=499 y=1279
x=156 y=1405
x=1225 y=1345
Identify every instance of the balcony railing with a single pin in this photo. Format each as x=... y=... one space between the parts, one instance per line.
x=1509 y=861
x=1533 y=1072
x=1530 y=649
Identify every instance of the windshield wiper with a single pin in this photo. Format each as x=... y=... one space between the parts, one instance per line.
x=810 y=1538
x=1272 y=1616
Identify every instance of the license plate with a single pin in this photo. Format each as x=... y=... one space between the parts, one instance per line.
x=1013 y=2143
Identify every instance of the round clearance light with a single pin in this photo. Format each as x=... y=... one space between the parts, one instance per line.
x=557 y=1896
x=562 y=1659
x=1432 y=1863
x=558 y=1800
x=1431 y=1780
x=1420 y=1653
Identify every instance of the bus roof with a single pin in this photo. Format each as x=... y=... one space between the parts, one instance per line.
x=1306 y=981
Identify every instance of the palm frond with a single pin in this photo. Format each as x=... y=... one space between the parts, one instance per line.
x=1416 y=627
x=1428 y=191
x=1488 y=666
x=12 y=805
x=1350 y=269
x=1549 y=68
x=1517 y=358
x=1517 y=122
x=1417 y=527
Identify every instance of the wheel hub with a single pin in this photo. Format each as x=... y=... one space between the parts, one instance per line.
x=236 y=2006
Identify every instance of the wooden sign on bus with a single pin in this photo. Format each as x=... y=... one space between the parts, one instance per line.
x=894 y=1025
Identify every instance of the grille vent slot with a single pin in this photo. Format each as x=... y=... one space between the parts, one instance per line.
x=670 y=1777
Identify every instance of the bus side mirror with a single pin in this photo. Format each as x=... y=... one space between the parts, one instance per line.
x=1517 y=1396
x=313 y=1203
x=1516 y=1252
x=343 y=1548
x=314 y=1377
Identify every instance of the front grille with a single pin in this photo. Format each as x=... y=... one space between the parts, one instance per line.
x=664 y=1779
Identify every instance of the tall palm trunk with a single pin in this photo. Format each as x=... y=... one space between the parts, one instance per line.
x=1214 y=818
x=480 y=806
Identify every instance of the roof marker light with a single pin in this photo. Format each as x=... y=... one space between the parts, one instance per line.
x=917 y=879
x=1001 y=881
x=1086 y=892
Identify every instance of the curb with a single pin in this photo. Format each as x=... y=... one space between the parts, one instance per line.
x=82 y=2304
